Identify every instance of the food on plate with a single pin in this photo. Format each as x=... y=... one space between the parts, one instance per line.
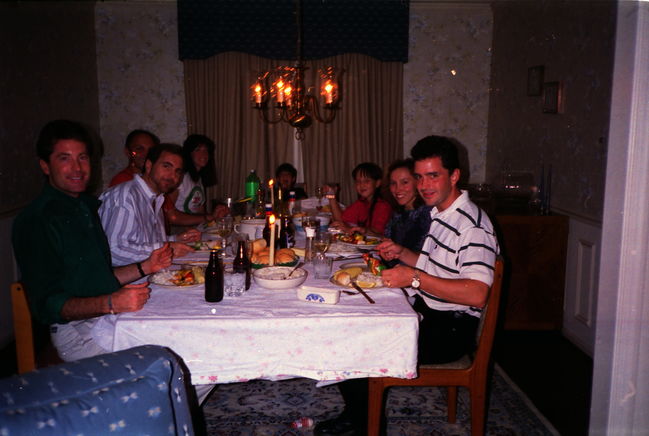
x=368 y=280
x=205 y=245
x=358 y=239
x=373 y=264
x=181 y=277
x=282 y=256
x=344 y=276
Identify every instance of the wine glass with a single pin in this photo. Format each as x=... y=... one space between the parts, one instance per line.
x=224 y=229
x=322 y=242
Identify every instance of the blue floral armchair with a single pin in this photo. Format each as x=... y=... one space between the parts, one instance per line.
x=140 y=391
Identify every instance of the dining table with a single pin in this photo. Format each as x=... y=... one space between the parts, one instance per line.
x=271 y=334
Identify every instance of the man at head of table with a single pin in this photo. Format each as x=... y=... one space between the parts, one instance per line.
x=449 y=278
x=131 y=212
x=136 y=147
x=63 y=253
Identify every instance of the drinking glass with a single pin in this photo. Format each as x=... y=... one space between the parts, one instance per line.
x=318 y=194
x=322 y=266
x=322 y=242
x=224 y=229
x=234 y=283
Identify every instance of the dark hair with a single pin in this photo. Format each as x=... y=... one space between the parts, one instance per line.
x=157 y=150
x=437 y=146
x=408 y=164
x=369 y=169
x=58 y=130
x=374 y=172
x=286 y=168
x=136 y=132
x=206 y=174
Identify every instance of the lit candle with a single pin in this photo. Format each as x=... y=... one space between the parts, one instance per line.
x=287 y=94
x=271 y=184
x=329 y=96
x=258 y=93
x=271 y=257
x=280 y=91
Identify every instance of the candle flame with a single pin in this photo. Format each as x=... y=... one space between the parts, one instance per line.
x=329 y=87
x=280 y=84
x=271 y=219
x=257 y=88
x=271 y=182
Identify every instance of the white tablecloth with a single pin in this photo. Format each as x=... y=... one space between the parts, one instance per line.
x=272 y=335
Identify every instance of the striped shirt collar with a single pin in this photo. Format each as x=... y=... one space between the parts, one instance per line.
x=460 y=201
x=148 y=192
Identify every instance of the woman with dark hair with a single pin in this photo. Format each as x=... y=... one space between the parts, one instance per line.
x=369 y=213
x=410 y=223
x=186 y=205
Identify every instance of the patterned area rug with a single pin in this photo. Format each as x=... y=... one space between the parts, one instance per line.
x=263 y=408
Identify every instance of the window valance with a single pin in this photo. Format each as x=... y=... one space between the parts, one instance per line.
x=377 y=28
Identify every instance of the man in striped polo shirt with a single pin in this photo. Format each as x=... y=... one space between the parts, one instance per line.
x=449 y=278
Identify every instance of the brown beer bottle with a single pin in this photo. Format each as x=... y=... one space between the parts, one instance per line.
x=214 y=279
x=241 y=262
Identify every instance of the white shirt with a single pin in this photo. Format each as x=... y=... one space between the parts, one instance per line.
x=132 y=217
x=191 y=196
x=461 y=244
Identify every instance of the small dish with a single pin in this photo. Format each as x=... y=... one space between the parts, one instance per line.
x=274 y=277
x=315 y=294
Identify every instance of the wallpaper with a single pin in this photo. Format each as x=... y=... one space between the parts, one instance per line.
x=574 y=41
x=140 y=76
x=446 y=81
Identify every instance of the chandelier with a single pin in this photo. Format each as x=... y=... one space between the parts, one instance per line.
x=281 y=95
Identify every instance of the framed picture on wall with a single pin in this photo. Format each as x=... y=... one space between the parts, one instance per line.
x=535 y=80
x=551 y=97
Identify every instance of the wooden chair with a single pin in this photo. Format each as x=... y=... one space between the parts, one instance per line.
x=23 y=329
x=470 y=371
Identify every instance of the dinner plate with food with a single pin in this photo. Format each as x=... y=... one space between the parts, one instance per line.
x=358 y=240
x=179 y=278
x=205 y=245
x=359 y=272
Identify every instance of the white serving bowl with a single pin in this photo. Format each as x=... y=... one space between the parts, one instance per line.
x=273 y=277
x=315 y=294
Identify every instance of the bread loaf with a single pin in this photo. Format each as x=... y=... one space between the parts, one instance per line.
x=258 y=245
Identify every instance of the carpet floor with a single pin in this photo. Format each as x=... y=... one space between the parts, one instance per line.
x=264 y=408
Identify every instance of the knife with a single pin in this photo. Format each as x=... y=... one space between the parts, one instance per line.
x=362 y=292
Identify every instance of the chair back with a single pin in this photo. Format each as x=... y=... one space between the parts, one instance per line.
x=489 y=318
x=23 y=329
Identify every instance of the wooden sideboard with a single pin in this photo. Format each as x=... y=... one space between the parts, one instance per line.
x=534 y=248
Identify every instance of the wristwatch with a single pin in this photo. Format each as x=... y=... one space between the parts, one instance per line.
x=415 y=284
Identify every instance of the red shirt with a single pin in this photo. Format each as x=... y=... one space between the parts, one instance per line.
x=358 y=211
x=123 y=176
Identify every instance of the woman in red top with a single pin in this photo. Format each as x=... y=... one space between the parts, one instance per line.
x=369 y=213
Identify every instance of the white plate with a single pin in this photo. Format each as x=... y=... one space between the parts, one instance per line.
x=160 y=280
x=361 y=246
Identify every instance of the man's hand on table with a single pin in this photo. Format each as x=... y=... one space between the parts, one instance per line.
x=389 y=250
x=179 y=249
x=398 y=277
x=130 y=298
x=160 y=258
x=191 y=235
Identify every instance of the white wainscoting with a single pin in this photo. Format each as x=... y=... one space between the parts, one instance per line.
x=582 y=277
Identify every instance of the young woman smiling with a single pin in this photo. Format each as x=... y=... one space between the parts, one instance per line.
x=410 y=223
